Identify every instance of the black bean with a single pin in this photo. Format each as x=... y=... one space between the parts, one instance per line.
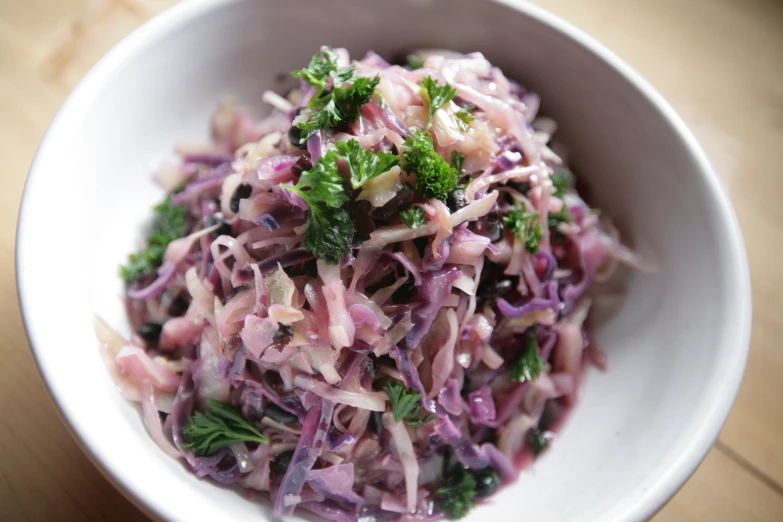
x=401 y=201
x=494 y=288
x=283 y=331
x=406 y=291
x=451 y=466
x=376 y=362
x=295 y=137
x=278 y=414
x=487 y=481
x=456 y=199
x=224 y=229
x=281 y=463
x=465 y=387
x=492 y=227
x=242 y=191
x=553 y=411
x=376 y=423
x=361 y=212
x=421 y=244
x=178 y=306
x=538 y=440
x=301 y=165
x=150 y=332
x=494 y=231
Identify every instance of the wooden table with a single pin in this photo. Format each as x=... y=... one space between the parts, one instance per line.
x=719 y=62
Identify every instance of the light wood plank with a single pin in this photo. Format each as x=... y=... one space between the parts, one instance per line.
x=723 y=491
x=719 y=62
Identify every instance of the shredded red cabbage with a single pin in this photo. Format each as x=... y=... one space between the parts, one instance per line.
x=450 y=329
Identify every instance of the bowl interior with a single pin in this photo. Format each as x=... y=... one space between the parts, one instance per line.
x=676 y=346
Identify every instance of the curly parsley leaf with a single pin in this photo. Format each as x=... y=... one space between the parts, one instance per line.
x=529 y=364
x=562 y=216
x=455 y=498
x=463 y=117
x=538 y=440
x=414 y=62
x=220 y=426
x=323 y=182
x=340 y=105
x=320 y=68
x=406 y=404
x=555 y=218
x=364 y=164
x=413 y=217
x=435 y=178
x=335 y=103
x=329 y=226
x=170 y=224
x=525 y=225
x=436 y=95
x=457 y=159
x=562 y=182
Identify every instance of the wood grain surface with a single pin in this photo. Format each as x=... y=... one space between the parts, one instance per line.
x=719 y=62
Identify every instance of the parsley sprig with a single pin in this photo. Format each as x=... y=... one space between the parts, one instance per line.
x=435 y=178
x=406 y=404
x=170 y=224
x=335 y=103
x=413 y=217
x=457 y=160
x=463 y=117
x=525 y=225
x=321 y=68
x=364 y=164
x=220 y=426
x=436 y=95
x=414 y=62
x=562 y=182
x=456 y=496
x=561 y=216
x=529 y=364
x=461 y=485
x=329 y=227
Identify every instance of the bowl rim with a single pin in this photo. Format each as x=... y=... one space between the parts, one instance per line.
x=645 y=506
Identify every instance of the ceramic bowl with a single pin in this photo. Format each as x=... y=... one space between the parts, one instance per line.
x=676 y=345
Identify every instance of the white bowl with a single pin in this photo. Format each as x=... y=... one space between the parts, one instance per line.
x=677 y=346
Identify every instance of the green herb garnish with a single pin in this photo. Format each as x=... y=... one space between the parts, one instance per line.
x=170 y=224
x=406 y=404
x=457 y=160
x=414 y=62
x=529 y=364
x=538 y=440
x=436 y=95
x=525 y=225
x=320 y=68
x=413 y=217
x=461 y=485
x=435 y=178
x=364 y=164
x=464 y=117
x=329 y=227
x=220 y=426
x=562 y=216
x=456 y=497
x=338 y=105
x=562 y=182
